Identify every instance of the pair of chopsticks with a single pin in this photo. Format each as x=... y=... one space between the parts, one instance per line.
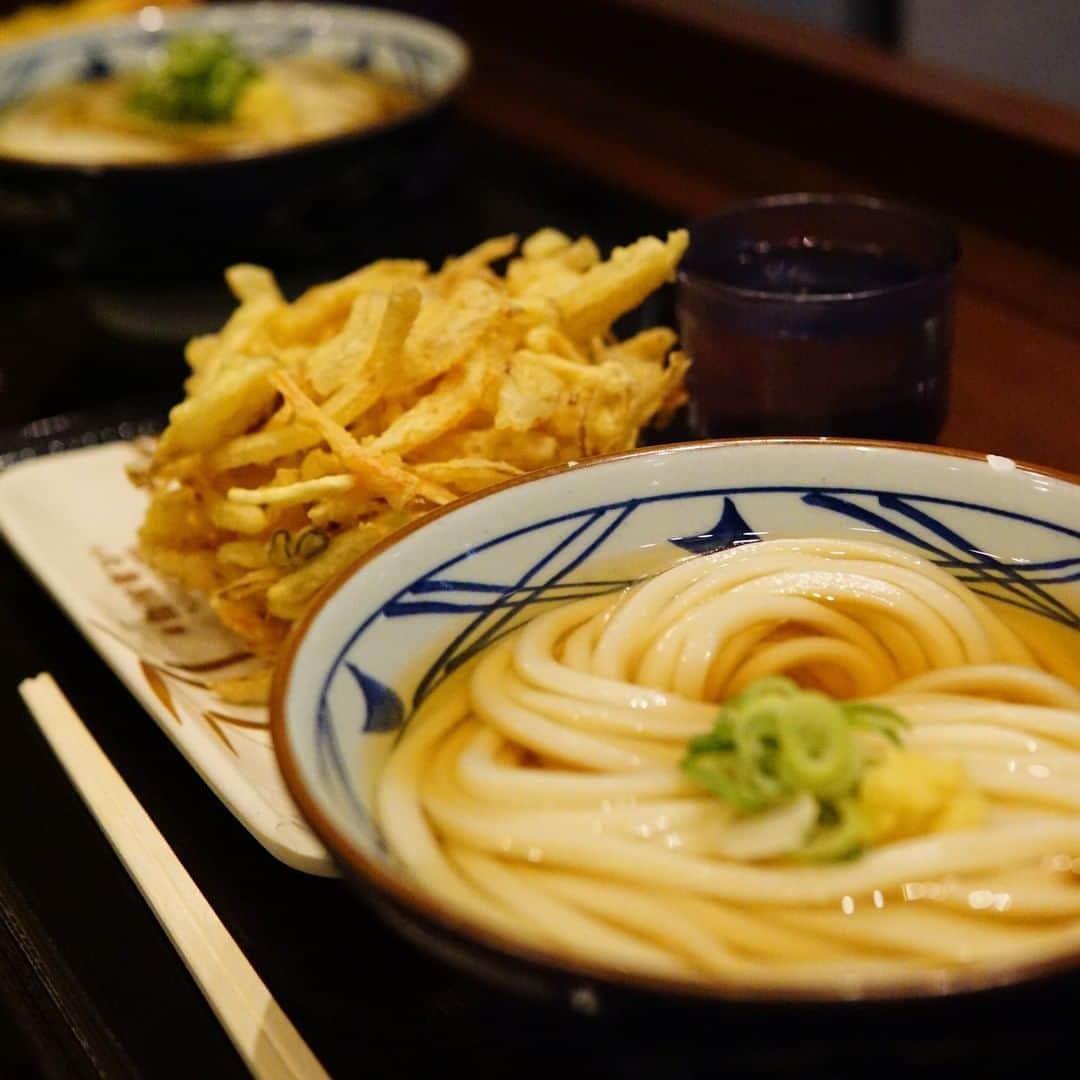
x=262 y=1034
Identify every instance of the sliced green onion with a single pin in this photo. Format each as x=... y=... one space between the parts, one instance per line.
x=767 y=687
x=720 y=774
x=773 y=742
x=201 y=82
x=817 y=752
x=879 y=718
x=839 y=834
x=756 y=746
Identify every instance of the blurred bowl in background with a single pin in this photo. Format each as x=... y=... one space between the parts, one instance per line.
x=161 y=220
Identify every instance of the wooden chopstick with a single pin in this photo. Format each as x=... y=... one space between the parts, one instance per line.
x=262 y=1034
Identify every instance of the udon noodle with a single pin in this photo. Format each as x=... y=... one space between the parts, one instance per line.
x=539 y=793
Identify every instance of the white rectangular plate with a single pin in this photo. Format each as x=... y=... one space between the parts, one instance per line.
x=72 y=518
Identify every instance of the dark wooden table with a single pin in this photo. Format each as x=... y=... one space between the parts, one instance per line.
x=616 y=118
x=696 y=104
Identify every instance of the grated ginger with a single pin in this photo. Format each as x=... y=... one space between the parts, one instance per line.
x=908 y=794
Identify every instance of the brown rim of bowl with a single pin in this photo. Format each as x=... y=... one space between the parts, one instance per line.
x=428 y=107
x=931 y=984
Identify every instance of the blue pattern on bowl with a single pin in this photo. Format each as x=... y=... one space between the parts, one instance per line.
x=499 y=609
x=473 y=588
x=421 y=55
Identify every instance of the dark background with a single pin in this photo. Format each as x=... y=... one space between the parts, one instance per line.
x=89 y=984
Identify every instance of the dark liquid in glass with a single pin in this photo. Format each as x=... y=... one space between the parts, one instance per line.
x=813 y=270
x=862 y=368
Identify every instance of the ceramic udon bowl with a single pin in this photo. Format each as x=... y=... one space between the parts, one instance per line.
x=395 y=625
x=153 y=218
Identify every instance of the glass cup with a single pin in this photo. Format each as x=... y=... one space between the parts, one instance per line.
x=818 y=315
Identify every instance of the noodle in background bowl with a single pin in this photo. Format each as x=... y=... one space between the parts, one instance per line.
x=392 y=628
x=148 y=220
